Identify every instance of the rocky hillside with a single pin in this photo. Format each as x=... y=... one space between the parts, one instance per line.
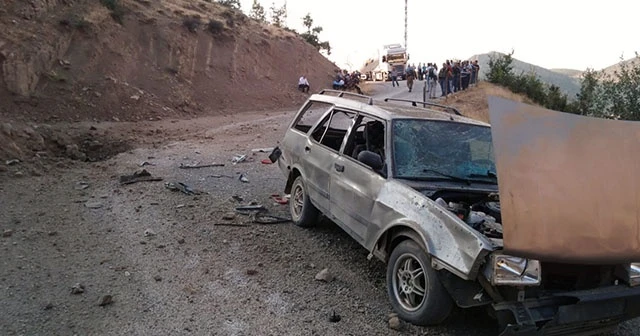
x=570 y=85
x=72 y=60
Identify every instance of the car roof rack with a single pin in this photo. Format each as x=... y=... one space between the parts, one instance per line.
x=424 y=104
x=343 y=93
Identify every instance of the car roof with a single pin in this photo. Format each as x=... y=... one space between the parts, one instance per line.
x=388 y=111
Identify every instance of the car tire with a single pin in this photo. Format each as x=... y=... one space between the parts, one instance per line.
x=303 y=212
x=409 y=273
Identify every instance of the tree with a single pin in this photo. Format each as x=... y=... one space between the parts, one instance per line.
x=278 y=15
x=311 y=35
x=235 y=4
x=500 y=69
x=611 y=96
x=257 y=12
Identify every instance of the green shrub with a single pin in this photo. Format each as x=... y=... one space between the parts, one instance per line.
x=215 y=26
x=191 y=23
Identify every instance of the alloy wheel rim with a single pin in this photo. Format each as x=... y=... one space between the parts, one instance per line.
x=297 y=201
x=409 y=282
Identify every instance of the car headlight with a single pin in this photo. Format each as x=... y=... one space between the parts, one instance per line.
x=631 y=274
x=506 y=270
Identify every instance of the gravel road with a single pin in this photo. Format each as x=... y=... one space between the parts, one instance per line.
x=171 y=263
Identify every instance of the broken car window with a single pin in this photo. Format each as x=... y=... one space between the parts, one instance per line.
x=311 y=114
x=434 y=149
x=333 y=136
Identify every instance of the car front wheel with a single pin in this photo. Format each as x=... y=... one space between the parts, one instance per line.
x=303 y=212
x=414 y=289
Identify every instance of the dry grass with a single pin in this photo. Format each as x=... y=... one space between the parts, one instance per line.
x=473 y=102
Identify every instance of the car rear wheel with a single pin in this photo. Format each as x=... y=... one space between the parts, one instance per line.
x=303 y=212
x=414 y=289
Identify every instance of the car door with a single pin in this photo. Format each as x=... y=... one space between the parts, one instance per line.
x=321 y=149
x=354 y=186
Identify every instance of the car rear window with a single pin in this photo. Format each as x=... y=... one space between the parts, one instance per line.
x=310 y=115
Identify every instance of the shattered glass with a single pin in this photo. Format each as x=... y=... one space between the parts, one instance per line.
x=434 y=149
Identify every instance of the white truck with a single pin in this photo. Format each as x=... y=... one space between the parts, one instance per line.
x=393 y=57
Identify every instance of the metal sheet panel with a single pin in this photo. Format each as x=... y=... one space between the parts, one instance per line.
x=569 y=185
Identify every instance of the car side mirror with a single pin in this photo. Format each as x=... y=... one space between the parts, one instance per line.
x=371 y=159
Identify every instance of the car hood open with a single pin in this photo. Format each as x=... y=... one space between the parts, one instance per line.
x=569 y=184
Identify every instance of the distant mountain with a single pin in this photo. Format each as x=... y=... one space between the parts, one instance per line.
x=610 y=70
x=570 y=85
x=569 y=72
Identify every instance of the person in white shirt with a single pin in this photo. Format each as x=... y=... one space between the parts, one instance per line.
x=303 y=84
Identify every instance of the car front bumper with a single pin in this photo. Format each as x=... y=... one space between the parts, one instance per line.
x=585 y=312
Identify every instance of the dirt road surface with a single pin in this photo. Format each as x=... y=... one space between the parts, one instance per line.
x=170 y=262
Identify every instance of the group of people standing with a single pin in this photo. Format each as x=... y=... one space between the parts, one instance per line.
x=452 y=77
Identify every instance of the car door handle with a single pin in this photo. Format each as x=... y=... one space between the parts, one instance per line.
x=338 y=167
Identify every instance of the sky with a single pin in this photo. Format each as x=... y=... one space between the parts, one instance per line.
x=550 y=33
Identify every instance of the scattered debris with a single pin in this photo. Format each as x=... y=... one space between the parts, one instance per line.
x=263 y=150
x=269 y=219
x=93 y=205
x=179 y=186
x=252 y=272
x=181 y=241
x=324 y=275
x=250 y=207
x=146 y=163
x=127 y=273
x=149 y=233
x=77 y=289
x=275 y=154
x=334 y=317
x=194 y=166
x=280 y=200
x=395 y=323
x=48 y=306
x=138 y=176
x=243 y=178
x=180 y=206
x=82 y=185
x=157 y=278
x=266 y=161
x=105 y=300
x=12 y=162
x=7 y=233
x=237 y=198
x=238 y=158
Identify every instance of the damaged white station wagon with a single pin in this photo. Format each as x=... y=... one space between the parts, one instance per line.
x=418 y=188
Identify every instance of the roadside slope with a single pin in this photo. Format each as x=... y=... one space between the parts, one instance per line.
x=71 y=61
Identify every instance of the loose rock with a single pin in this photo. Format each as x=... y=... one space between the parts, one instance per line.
x=395 y=323
x=7 y=233
x=149 y=233
x=105 y=300
x=324 y=275
x=77 y=289
x=157 y=278
x=93 y=205
x=229 y=216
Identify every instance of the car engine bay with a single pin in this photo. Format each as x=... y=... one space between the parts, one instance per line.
x=480 y=212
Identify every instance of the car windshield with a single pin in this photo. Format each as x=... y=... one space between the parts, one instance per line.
x=434 y=149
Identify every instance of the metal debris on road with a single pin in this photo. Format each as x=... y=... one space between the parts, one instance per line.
x=138 y=176
x=196 y=165
x=146 y=163
x=243 y=178
x=179 y=186
x=238 y=158
x=263 y=150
